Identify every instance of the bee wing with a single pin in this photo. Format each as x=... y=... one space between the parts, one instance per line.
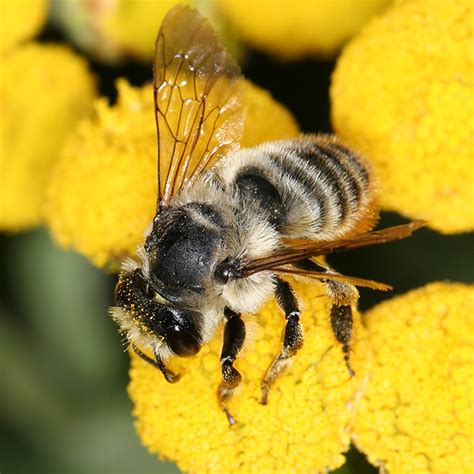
x=296 y=250
x=199 y=100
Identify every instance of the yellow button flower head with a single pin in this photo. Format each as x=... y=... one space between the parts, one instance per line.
x=112 y=184
x=133 y=25
x=402 y=93
x=304 y=427
x=416 y=415
x=267 y=119
x=113 y=29
x=20 y=20
x=45 y=90
x=298 y=28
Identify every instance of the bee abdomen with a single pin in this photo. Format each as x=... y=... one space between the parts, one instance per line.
x=324 y=190
x=331 y=187
x=254 y=185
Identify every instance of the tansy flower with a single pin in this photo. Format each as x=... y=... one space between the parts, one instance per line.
x=20 y=20
x=112 y=184
x=416 y=414
x=45 y=90
x=402 y=93
x=293 y=29
x=112 y=30
x=304 y=427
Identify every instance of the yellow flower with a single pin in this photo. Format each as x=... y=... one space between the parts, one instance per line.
x=20 y=20
x=45 y=90
x=112 y=30
x=134 y=25
x=293 y=29
x=266 y=119
x=402 y=93
x=417 y=412
x=304 y=427
x=112 y=185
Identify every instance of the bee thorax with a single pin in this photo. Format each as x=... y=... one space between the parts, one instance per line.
x=183 y=249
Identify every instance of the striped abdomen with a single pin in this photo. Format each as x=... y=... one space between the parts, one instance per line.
x=310 y=187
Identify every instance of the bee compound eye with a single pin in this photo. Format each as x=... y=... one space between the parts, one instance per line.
x=182 y=342
x=222 y=274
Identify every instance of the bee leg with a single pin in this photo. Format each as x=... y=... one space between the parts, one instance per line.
x=170 y=376
x=234 y=337
x=342 y=295
x=292 y=337
x=341 y=322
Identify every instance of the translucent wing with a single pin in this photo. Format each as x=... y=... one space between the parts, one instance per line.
x=297 y=250
x=199 y=100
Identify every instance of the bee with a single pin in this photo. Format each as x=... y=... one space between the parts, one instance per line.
x=231 y=225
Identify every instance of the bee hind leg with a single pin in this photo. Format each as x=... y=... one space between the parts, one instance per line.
x=234 y=337
x=292 y=337
x=342 y=295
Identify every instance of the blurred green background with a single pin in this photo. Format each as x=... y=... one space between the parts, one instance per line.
x=64 y=406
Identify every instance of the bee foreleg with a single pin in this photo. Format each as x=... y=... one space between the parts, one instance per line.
x=343 y=295
x=234 y=337
x=292 y=336
x=170 y=376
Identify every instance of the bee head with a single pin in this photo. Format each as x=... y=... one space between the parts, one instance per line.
x=176 y=328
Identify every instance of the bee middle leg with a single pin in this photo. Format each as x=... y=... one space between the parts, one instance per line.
x=292 y=337
x=234 y=337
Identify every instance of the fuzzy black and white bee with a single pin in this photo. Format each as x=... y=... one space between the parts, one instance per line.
x=231 y=224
